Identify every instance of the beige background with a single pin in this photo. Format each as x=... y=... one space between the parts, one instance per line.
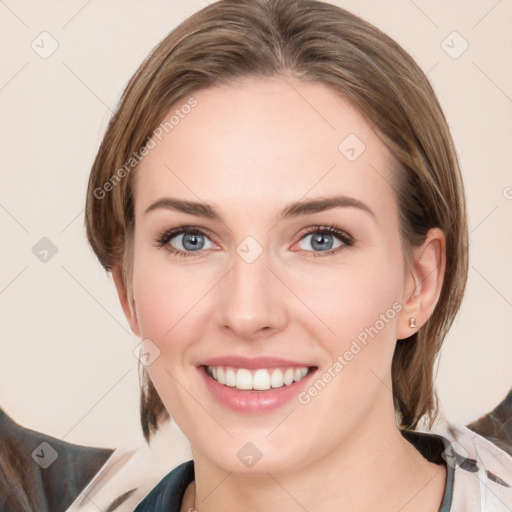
x=66 y=362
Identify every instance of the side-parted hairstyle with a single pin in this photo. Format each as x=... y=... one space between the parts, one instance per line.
x=312 y=41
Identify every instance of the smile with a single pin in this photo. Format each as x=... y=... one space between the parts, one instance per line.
x=255 y=390
x=260 y=379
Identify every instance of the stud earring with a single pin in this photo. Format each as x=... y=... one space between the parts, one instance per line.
x=412 y=322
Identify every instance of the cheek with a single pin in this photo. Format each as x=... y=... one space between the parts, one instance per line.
x=360 y=307
x=354 y=299
x=171 y=301
x=165 y=300
x=166 y=305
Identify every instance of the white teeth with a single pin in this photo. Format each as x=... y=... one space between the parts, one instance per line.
x=230 y=377
x=276 y=381
x=243 y=379
x=288 y=376
x=261 y=379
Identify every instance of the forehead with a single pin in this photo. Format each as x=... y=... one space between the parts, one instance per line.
x=249 y=144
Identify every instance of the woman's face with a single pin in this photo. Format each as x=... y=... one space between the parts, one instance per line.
x=253 y=288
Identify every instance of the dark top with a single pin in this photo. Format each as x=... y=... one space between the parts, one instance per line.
x=168 y=493
x=47 y=469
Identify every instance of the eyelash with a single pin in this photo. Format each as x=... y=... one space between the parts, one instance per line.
x=163 y=240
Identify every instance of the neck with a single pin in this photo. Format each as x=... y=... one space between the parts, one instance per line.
x=374 y=469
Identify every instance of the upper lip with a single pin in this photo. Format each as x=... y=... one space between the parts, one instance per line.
x=252 y=362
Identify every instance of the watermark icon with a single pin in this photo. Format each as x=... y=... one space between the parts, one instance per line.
x=455 y=454
x=342 y=360
x=146 y=352
x=44 y=250
x=44 y=45
x=351 y=147
x=137 y=156
x=454 y=45
x=249 y=454
x=249 y=249
x=507 y=192
x=45 y=455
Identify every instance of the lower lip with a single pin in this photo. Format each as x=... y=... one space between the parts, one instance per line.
x=253 y=401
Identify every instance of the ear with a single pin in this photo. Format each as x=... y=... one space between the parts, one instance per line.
x=128 y=307
x=423 y=282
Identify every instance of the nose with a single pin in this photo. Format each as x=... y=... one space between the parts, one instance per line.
x=251 y=300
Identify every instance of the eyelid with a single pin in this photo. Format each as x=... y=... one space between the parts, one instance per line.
x=331 y=229
x=163 y=239
x=346 y=239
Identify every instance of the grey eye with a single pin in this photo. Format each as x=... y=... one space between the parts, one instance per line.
x=321 y=242
x=190 y=241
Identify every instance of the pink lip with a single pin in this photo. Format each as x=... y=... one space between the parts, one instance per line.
x=253 y=401
x=254 y=362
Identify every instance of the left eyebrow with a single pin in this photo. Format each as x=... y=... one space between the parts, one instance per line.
x=322 y=204
x=291 y=210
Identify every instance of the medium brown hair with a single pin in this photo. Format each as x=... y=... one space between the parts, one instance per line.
x=315 y=42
